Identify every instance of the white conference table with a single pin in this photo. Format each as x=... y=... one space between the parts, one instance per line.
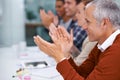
x=9 y=62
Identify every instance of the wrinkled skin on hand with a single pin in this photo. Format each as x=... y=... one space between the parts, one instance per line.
x=62 y=37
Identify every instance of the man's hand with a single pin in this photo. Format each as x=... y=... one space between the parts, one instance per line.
x=61 y=37
x=46 y=19
x=51 y=49
x=55 y=18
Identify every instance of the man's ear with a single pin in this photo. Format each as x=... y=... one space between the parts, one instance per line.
x=105 y=22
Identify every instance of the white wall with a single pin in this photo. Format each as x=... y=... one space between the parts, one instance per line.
x=1 y=13
x=12 y=29
x=118 y=1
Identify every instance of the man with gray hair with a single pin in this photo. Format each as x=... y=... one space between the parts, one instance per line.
x=102 y=25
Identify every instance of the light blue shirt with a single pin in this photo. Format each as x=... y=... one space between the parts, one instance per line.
x=65 y=24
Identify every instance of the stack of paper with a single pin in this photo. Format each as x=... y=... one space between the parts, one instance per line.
x=49 y=72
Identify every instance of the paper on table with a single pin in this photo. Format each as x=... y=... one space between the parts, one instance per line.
x=49 y=72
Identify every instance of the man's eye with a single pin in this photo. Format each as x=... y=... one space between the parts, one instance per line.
x=87 y=21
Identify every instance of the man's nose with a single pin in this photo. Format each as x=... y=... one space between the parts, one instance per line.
x=65 y=5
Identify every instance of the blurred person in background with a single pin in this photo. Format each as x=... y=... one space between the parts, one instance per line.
x=60 y=11
x=78 y=33
x=60 y=19
x=87 y=45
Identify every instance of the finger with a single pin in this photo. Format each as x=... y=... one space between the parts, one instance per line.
x=55 y=20
x=42 y=41
x=61 y=34
x=53 y=29
x=54 y=33
x=39 y=41
x=41 y=13
x=36 y=41
x=64 y=32
x=53 y=37
x=71 y=35
x=51 y=13
x=41 y=46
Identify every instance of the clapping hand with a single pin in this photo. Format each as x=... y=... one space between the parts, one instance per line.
x=63 y=38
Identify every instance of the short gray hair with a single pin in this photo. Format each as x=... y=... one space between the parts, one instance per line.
x=107 y=9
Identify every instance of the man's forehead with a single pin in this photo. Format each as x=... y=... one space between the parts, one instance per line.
x=90 y=8
x=89 y=12
x=89 y=4
x=69 y=0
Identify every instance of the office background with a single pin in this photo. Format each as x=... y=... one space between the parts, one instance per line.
x=15 y=15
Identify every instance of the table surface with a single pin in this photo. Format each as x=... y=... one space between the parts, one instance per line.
x=11 y=57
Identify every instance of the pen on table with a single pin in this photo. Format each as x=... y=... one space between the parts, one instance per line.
x=18 y=73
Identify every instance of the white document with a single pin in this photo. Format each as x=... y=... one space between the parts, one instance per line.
x=49 y=72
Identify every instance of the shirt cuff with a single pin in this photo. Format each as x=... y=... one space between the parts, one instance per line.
x=64 y=59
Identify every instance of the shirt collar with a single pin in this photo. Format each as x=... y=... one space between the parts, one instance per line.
x=109 y=41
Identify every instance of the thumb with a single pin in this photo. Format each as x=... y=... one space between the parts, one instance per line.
x=71 y=35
